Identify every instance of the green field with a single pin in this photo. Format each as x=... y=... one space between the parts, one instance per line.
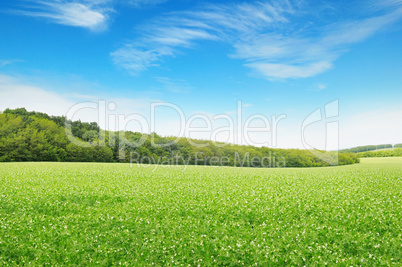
x=111 y=214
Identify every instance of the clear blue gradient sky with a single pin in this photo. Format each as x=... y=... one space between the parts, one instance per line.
x=277 y=57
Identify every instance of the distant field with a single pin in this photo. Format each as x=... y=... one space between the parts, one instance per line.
x=111 y=214
x=382 y=149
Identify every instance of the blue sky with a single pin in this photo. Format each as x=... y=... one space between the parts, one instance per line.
x=276 y=57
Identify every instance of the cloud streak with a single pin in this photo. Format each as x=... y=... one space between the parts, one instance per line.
x=277 y=40
x=92 y=15
x=174 y=85
x=6 y=62
x=144 y=3
x=135 y=60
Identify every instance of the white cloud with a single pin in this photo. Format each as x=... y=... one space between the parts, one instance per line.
x=354 y=31
x=16 y=92
x=276 y=55
x=382 y=126
x=384 y=4
x=92 y=15
x=318 y=87
x=175 y=85
x=135 y=60
x=143 y=3
x=176 y=36
x=283 y=39
x=149 y=50
x=284 y=71
x=247 y=105
x=6 y=62
x=183 y=29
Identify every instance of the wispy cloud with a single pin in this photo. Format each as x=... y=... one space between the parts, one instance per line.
x=5 y=62
x=382 y=126
x=247 y=105
x=15 y=94
x=320 y=86
x=174 y=85
x=92 y=15
x=144 y=3
x=277 y=39
x=156 y=45
x=135 y=59
x=182 y=29
x=384 y=4
x=283 y=71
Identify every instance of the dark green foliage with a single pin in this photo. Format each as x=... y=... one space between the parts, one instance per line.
x=59 y=120
x=34 y=136
x=27 y=137
x=79 y=128
x=398 y=146
x=90 y=136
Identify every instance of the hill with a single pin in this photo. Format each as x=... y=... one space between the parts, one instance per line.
x=35 y=136
x=396 y=152
x=370 y=151
x=359 y=149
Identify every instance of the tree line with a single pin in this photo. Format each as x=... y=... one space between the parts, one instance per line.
x=359 y=149
x=36 y=136
x=397 y=152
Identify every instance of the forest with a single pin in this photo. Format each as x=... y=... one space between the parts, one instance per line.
x=360 y=149
x=397 y=152
x=36 y=136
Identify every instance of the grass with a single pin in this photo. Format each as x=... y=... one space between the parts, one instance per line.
x=89 y=214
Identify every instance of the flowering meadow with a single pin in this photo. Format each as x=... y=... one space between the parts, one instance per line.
x=120 y=214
